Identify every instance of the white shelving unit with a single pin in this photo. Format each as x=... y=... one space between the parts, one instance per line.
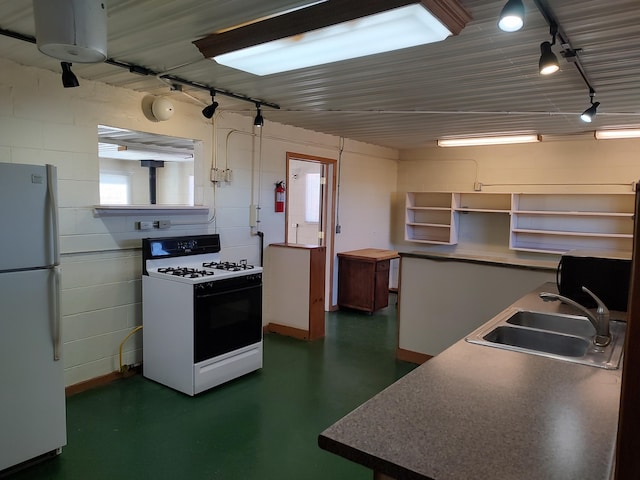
x=540 y=222
x=555 y=223
x=482 y=202
x=429 y=218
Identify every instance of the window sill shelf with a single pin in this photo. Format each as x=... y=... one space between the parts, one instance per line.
x=105 y=210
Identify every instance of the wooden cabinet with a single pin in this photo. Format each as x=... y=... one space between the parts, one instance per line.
x=540 y=222
x=363 y=278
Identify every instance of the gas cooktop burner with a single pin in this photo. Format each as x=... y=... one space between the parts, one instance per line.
x=229 y=266
x=185 y=272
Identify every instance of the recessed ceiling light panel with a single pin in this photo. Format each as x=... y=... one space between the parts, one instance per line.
x=383 y=32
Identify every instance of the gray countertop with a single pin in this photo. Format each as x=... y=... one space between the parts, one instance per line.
x=479 y=412
x=499 y=260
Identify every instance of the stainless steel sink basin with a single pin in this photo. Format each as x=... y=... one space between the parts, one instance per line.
x=569 y=324
x=538 y=340
x=558 y=336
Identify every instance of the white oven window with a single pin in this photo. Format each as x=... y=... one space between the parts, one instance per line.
x=115 y=189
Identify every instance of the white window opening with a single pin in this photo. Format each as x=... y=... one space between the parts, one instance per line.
x=312 y=198
x=115 y=189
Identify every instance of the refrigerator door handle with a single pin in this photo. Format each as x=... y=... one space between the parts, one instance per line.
x=57 y=316
x=52 y=192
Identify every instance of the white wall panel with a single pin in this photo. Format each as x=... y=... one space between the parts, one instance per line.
x=101 y=261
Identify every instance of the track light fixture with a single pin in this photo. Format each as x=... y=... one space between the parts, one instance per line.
x=548 y=61
x=259 y=120
x=589 y=114
x=69 y=80
x=209 y=110
x=512 y=16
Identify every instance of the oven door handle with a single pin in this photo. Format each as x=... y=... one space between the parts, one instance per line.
x=225 y=292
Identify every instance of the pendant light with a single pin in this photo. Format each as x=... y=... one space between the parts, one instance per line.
x=512 y=16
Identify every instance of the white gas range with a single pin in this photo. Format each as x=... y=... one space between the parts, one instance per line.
x=202 y=317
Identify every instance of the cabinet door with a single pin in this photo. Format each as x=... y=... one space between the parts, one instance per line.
x=381 y=294
x=356 y=283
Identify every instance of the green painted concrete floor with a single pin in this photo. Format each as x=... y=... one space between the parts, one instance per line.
x=262 y=426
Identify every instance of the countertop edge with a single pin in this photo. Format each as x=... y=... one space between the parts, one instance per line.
x=484 y=260
x=367 y=460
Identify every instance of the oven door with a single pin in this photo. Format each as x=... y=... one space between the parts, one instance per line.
x=227 y=316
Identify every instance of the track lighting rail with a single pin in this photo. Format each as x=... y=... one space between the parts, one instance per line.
x=568 y=52
x=139 y=70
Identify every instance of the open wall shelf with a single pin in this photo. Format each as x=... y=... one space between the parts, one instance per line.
x=540 y=222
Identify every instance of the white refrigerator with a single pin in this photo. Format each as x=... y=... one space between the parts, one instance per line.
x=32 y=402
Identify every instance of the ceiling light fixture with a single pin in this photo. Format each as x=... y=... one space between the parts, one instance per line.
x=488 y=140
x=617 y=133
x=512 y=16
x=209 y=110
x=332 y=31
x=69 y=80
x=589 y=114
x=259 y=120
x=548 y=61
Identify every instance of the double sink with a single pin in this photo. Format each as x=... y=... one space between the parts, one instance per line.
x=559 y=336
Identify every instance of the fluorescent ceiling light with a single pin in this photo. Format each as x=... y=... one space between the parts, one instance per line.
x=621 y=133
x=333 y=31
x=384 y=32
x=493 y=140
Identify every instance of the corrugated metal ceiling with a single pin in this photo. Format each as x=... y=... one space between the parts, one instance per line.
x=482 y=81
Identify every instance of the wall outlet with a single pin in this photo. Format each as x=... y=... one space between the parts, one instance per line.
x=144 y=225
x=164 y=223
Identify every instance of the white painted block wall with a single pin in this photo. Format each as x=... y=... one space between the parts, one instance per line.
x=41 y=122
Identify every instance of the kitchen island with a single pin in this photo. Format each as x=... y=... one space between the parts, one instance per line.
x=480 y=412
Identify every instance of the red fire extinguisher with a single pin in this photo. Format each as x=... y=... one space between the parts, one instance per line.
x=280 y=192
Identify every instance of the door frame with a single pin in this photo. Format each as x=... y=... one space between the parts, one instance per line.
x=328 y=215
